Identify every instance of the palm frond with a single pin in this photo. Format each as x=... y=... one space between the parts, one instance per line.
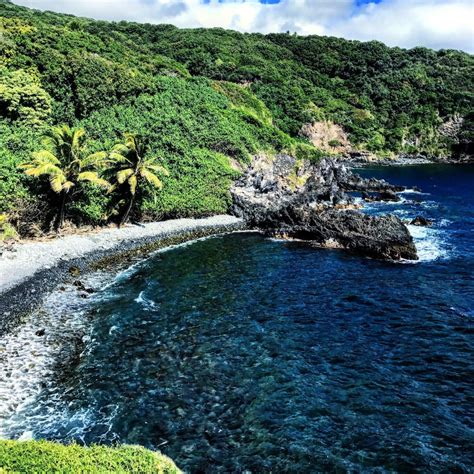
x=123 y=175
x=39 y=169
x=68 y=185
x=56 y=182
x=46 y=155
x=151 y=178
x=95 y=158
x=77 y=135
x=131 y=141
x=118 y=157
x=132 y=181
x=121 y=148
x=158 y=169
x=93 y=177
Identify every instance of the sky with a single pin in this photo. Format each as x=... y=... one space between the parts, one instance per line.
x=407 y=23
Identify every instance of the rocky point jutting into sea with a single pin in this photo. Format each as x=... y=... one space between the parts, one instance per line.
x=296 y=199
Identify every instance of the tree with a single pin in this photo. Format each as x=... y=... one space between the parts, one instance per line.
x=22 y=98
x=66 y=162
x=132 y=168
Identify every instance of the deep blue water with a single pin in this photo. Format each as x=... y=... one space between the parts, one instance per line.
x=239 y=353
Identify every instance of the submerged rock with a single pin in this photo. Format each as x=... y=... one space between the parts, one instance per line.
x=296 y=199
x=421 y=221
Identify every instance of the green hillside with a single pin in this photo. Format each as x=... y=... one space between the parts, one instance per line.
x=204 y=102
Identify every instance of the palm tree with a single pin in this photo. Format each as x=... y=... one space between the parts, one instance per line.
x=131 y=168
x=66 y=163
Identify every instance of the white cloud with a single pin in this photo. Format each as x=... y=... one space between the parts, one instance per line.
x=405 y=23
x=433 y=23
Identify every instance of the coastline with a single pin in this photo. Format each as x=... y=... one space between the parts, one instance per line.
x=31 y=270
x=401 y=161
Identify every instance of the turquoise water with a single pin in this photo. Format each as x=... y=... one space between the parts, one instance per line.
x=240 y=353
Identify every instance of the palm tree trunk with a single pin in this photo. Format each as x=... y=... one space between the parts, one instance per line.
x=126 y=215
x=60 y=218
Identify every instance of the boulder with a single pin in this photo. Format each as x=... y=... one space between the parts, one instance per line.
x=421 y=221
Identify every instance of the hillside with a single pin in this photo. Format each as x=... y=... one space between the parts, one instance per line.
x=205 y=101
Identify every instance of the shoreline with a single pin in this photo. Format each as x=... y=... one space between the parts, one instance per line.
x=31 y=270
x=401 y=162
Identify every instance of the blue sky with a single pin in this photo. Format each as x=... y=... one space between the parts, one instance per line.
x=406 y=23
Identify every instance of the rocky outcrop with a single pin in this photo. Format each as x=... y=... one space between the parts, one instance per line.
x=295 y=199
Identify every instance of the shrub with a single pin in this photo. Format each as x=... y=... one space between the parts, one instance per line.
x=7 y=231
x=47 y=457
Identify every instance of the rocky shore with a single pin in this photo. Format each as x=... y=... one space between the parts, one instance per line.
x=281 y=196
x=28 y=271
x=296 y=199
x=364 y=159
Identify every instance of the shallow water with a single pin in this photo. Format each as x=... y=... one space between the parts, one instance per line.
x=241 y=353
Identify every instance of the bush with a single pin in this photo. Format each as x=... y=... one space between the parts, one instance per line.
x=47 y=457
x=22 y=98
x=7 y=231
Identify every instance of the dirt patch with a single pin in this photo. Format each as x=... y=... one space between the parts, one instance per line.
x=327 y=136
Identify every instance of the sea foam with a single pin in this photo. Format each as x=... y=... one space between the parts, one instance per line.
x=430 y=243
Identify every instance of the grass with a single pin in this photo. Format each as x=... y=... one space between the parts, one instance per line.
x=47 y=457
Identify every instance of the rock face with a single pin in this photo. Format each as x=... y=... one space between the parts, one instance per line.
x=326 y=136
x=295 y=199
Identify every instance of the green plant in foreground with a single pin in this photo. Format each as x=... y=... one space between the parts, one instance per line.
x=67 y=164
x=132 y=168
x=7 y=231
x=46 y=457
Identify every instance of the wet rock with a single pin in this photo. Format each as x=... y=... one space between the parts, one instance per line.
x=296 y=199
x=378 y=237
x=74 y=271
x=78 y=284
x=421 y=221
x=387 y=195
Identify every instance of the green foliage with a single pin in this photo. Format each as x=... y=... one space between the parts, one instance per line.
x=367 y=88
x=194 y=131
x=204 y=99
x=133 y=168
x=7 y=231
x=47 y=457
x=243 y=99
x=304 y=151
x=66 y=163
x=16 y=145
x=22 y=98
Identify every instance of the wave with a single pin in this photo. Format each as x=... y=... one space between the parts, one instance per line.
x=413 y=191
x=146 y=303
x=29 y=355
x=430 y=243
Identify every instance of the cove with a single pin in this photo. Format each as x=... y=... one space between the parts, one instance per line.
x=240 y=353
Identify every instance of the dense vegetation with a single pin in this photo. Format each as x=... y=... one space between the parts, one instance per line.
x=205 y=101
x=47 y=457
